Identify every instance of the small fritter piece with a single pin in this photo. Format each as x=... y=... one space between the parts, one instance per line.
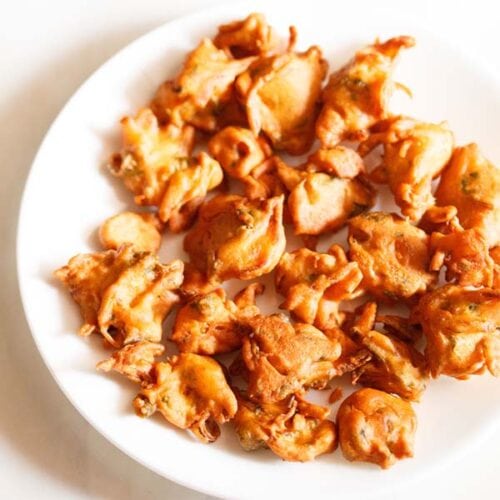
x=191 y=392
x=314 y=284
x=319 y=202
x=143 y=231
x=465 y=255
x=204 y=85
x=151 y=154
x=415 y=153
x=134 y=361
x=237 y=238
x=392 y=254
x=251 y=36
x=124 y=295
x=472 y=184
x=357 y=96
x=292 y=428
x=337 y=161
x=281 y=95
x=282 y=359
x=376 y=427
x=395 y=367
x=213 y=324
x=186 y=190
x=462 y=329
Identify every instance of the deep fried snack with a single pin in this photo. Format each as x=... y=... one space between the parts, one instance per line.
x=151 y=154
x=186 y=190
x=415 y=153
x=292 y=428
x=204 y=85
x=213 y=324
x=314 y=284
x=124 y=295
x=392 y=254
x=281 y=95
x=143 y=231
x=251 y=36
x=319 y=202
x=337 y=161
x=191 y=392
x=495 y=256
x=472 y=184
x=282 y=359
x=376 y=427
x=357 y=96
x=134 y=361
x=462 y=329
x=237 y=238
x=395 y=367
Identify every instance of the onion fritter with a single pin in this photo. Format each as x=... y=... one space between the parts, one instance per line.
x=376 y=427
x=462 y=329
x=237 y=238
x=357 y=95
x=392 y=254
x=292 y=428
x=191 y=392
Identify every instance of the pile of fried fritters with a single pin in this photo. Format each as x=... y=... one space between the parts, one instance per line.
x=244 y=98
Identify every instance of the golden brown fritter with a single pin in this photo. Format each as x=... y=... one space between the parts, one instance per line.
x=415 y=153
x=236 y=238
x=282 y=359
x=281 y=95
x=472 y=184
x=143 y=231
x=191 y=392
x=251 y=36
x=357 y=95
x=392 y=254
x=213 y=324
x=462 y=329
x=395 y=367
x=337 y=161
x=134 y=361
x=201 y=89
x=495 y=256
x=376 y=427
x=314 y=284
x=292 y=428
x=151 y=153
x=186 y=189
x=319 y=202
x=124 y=295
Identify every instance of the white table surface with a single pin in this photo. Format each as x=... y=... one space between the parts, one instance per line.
x=47 y=48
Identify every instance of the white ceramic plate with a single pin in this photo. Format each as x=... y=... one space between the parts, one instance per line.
x=68 y=195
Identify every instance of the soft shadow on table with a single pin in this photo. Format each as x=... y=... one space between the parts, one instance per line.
x=36 y=420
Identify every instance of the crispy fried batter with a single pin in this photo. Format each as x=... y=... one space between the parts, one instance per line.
x=134 y=361
x=396 y=366
x=472 y=184
x=282 y=358
x=462 y=329
x=151 y=154
x=143 y=231
x=337 y=161
x=186 y=190
x=495 y=255
x=314 y=284
x=392 y=254
x=237 y=238
x=213 y=324
x=204 y=85
x=251 y=36
x=376 y=427
x=125 y=295
x=281 y=95
x=292 y=428
x=191 y=392
x=414 y=154
x=357 y=96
